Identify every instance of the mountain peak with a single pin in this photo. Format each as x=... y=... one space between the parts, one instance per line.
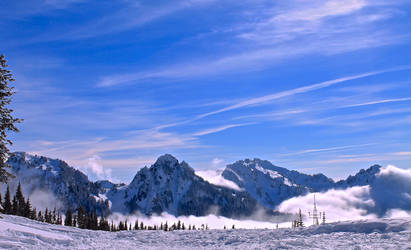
x=166 y=159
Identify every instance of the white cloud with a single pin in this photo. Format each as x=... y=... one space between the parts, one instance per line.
x=269 y=98
x=215 y=177
x=378 y=102
x=95 y=166
x=315 y=11
x=315 y=150
x=387 y=196
x=217 y=162
x=219 y=129
x=338 y=205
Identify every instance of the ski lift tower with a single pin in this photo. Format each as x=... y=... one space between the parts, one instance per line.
x=314 y=215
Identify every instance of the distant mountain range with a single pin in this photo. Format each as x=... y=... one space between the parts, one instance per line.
x=173 y=187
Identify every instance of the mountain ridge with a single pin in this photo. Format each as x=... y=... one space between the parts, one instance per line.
x=173 y=187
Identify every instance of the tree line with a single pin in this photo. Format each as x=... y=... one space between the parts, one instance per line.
x=20 y=206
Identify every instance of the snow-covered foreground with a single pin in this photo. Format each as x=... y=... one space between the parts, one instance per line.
x=18 y=232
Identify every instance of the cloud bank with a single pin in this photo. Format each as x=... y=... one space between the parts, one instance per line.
x=389 y=195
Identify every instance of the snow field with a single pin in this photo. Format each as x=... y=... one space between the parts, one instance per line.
x=21 y=233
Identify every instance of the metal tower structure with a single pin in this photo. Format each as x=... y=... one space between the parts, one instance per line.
x=314 y=215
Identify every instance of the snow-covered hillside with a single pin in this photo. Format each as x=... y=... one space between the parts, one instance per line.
x=22 y=233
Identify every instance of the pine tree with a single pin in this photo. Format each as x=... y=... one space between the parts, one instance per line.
x=7 y=121
x=15 y=206
x=27 y=209
x=33 y=214
x=81 y=217
x=75 y=221
x=40 y=217
x=21 y=203
x=54 y=217
x=7 y=202
x=112 y=226
x=68 y=221
x=136 y=225
x=46 y=216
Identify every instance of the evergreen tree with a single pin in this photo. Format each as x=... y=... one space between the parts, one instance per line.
x=7 y=202
x=40 y=217
x=27 y=209
x=54 y=217
x=81 y=217
x=47 y=216
x=15 y=206
x=94 y=221
x=21 y=203
x=59 y=219
x=7 y=121
x=68 y=221
x=33 y=214
x=136 y=225
x=75 y=221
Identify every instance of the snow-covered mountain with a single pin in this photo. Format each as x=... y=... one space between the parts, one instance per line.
x=55 y=182
x=172 y=187
x=270 y=185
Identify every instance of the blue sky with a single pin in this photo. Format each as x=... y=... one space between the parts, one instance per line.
x=108 y=86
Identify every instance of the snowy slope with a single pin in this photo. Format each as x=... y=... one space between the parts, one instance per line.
x=22 y=233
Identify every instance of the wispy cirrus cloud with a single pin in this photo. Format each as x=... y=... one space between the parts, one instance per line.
x=330 y=149
x=124 y=16
x=269 y=98
x=378 y=102
x=222 y=128
x=273 y=33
